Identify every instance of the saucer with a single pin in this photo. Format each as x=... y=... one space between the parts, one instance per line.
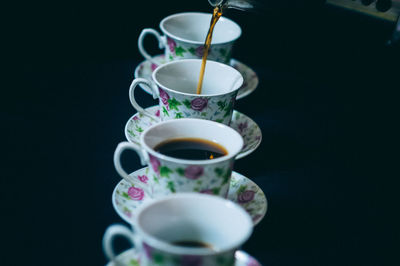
x=246 y=127
x=130 y=257
x=250 y=78
x=126 y=199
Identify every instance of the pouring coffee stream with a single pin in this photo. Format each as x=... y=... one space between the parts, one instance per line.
x=217 y=12
x=219 y=6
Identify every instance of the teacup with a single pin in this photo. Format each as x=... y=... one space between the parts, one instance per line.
x=175 y=85
x=169 y=175
x=185 y=229
x=185 y=33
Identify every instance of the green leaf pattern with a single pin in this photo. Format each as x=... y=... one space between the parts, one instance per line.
x=165 y=171
x=131 y=132
x=134 y=262
x=178 y=115
x=219 y=171
x=192 y=50
x=241 y=189
x=228 y=109
x=221 y=105
x=173 y=104
x=125 y=195
x=180 y=171
x=171 y=186
x=187 y=103
x=165 y=111
x=139 y=129
x=179 y=51
x=216 y=190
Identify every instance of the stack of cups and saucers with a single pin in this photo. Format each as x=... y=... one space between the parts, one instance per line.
x=187 y=206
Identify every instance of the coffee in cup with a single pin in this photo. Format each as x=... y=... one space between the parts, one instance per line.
x=185 y=229
x=184 y=155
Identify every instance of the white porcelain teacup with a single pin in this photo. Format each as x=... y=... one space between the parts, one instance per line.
x=175 y=84
x=185 y=33
x=185 y=229
x=169 y=175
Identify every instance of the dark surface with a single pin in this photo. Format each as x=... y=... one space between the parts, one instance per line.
x=326 y=105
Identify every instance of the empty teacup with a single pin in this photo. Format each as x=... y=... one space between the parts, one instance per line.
x=185 y=229
x=184 y=155
x=175 y=86
x=185 y=33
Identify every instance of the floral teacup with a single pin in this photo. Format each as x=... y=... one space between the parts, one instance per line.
x=175 y=85
x=185 y=34
x=170 y=175
x=217 y=226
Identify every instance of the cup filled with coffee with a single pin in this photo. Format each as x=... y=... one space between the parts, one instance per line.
x=185 y=33
x=184 y=155
x=175 y=85
x=185 y=229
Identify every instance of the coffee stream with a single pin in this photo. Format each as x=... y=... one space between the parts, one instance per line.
x=217 y=12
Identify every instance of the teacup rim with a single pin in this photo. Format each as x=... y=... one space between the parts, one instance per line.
x=153 y=76
x=164 y=30
x=170 y=248
x=185 y=161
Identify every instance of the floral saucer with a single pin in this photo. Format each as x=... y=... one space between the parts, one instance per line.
x=130 y=257
x=250 y=78
x=242 y=191
x=246 y=127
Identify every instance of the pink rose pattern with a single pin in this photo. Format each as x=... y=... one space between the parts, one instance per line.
x=153 y=67
x=199 y=104
x=164 y=97
x=157 y=113
x=207 y=191
x=171 y=45
x=242 y=126
x=193 y=171
x=155 y=163
x=147 y=250
x=200 y=51
x=143 y=178
x=128 y=213
x=246 y=196
x=191 y=260
x=252 y=262
x=136 y=193
x=256 y=217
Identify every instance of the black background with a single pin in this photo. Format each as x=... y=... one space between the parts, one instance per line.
x=326 y=105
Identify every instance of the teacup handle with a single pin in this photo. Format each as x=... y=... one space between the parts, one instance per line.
x=154 y=89
x=161 y=43
x=144 y=157
x=113 y=231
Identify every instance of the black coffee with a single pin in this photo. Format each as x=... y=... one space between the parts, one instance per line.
x=191 y=149
x=191 y=244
